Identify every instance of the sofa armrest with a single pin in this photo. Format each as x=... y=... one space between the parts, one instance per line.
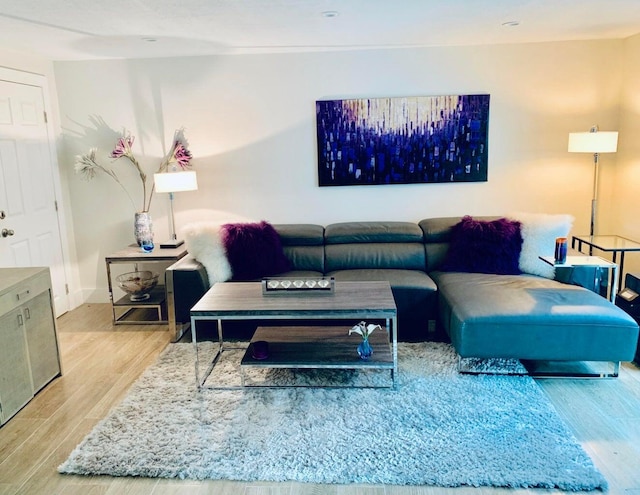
x=186 y=282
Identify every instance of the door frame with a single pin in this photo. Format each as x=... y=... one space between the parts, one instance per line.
x=39 y=80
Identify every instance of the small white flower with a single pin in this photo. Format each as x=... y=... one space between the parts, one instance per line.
x=86 y=165
x=363 y=329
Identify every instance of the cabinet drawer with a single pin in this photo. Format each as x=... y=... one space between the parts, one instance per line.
x=24 y=292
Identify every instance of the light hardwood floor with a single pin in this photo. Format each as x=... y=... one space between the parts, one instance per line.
x=101 y=361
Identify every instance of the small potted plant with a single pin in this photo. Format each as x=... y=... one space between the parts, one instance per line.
x=364 y=348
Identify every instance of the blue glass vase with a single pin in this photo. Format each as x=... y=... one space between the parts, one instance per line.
x=364 y=349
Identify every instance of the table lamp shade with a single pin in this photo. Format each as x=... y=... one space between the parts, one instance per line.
x=170 y=182
x=593 y=142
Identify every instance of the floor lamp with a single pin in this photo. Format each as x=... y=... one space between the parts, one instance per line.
x=172 y=182
x=595 y=142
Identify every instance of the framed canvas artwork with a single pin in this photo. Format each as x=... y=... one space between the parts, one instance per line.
x=402 y=140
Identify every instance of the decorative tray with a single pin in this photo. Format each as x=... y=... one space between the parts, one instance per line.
x=302 y=285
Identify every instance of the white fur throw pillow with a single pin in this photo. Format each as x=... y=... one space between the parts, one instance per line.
x=539 y=233
x=204 y=244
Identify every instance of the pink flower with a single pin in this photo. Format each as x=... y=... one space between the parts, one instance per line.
x=181 y=154
x=123 y=147
x=88 y=167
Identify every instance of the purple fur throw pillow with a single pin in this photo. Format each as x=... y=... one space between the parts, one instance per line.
x=484 y=247
x=254 y=250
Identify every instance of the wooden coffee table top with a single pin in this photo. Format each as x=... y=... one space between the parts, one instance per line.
x=231 y=300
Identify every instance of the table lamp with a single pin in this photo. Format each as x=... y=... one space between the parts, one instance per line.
x=595 y=142
x=172 y=182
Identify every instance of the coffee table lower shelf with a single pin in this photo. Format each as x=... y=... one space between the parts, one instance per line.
x=317 y=347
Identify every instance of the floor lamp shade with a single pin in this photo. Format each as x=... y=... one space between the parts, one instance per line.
x=595 y=142
x=172 y=182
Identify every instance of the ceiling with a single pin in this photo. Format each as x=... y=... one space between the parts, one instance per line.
x=97 y=29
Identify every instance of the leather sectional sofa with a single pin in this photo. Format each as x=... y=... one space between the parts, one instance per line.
x=484 y=315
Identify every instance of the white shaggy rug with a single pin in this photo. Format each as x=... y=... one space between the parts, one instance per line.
x=439 y=428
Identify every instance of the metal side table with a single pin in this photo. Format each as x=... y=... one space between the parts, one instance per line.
x=123 y=308
x=594 y=262
x=613 y=244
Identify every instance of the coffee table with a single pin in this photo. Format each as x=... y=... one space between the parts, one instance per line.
x=353 y=301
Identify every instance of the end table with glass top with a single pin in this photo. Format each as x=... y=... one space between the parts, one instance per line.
x=591 y=262
x=613 y=244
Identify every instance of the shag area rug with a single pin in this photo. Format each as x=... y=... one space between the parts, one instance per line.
x=439 y=428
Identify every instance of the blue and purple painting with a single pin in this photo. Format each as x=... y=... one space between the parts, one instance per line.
x=403 y=140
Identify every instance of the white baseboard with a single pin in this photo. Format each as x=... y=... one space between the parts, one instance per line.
x=94 y=296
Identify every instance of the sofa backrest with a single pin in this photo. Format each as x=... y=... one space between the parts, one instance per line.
x=363 y=245
x=353 y=245
x=437 y=234
x=303 y=244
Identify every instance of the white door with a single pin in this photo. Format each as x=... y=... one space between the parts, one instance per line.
x=29 y=231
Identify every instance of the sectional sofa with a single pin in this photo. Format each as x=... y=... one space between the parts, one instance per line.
x=485 y=315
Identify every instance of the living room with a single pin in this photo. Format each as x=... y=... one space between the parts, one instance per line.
x=249 y=118
x=250 y=123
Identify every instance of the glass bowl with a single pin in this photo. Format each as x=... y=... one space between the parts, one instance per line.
x=137 y=284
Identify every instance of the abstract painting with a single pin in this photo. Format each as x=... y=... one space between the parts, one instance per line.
x=410 y=140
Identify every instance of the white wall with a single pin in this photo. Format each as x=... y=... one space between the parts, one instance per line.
x=250 y=120
x=625 y=206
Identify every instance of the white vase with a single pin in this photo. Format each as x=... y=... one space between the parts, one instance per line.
x=143 y=227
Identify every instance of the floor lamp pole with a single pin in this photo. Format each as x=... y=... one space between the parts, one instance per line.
x=594 y=200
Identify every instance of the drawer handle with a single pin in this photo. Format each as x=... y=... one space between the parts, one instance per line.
x=27 y=314
x=20 y=321
x=23 y=294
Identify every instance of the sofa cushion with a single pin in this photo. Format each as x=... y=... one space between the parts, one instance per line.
x=400 y=256
x=254 y=250
x=396 y=278
x=300 y=274
x=368 y=232
x=530 y=317
x=484 y=246
x=310 y=258
x=370 y=245
x=539 y=233
x=303 y=245
x=415 y=294
x=204 y=242
x=300 y=234
x=437 y=235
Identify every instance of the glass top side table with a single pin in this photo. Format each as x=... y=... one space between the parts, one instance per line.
x=589 y=261
x=607 y=243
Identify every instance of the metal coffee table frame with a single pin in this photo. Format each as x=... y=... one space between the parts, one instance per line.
x=244 y=300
